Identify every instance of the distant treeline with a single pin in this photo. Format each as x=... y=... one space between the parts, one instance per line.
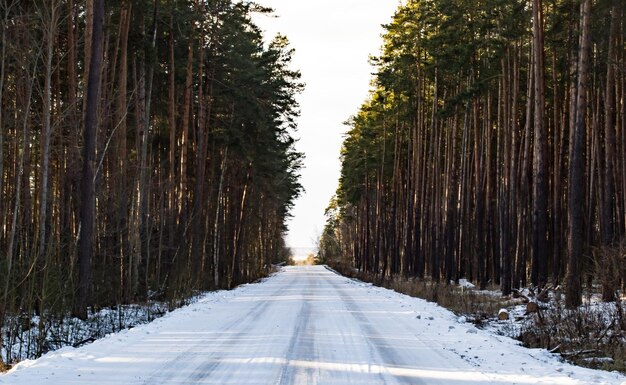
x=493 y=147
x=145 y=152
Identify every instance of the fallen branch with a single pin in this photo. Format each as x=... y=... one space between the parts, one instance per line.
x=83 y=342
x=556 y=349
x=579 y=353
x=603 y=334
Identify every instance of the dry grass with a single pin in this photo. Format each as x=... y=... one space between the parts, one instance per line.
x=477 y=306
x=593 y=335
x=4 y=367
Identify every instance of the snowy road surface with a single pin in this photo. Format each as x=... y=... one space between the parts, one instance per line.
x=304 y=325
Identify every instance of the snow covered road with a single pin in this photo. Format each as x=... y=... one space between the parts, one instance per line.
x=304 y=325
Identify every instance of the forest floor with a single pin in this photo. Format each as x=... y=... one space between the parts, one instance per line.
x=306 y=325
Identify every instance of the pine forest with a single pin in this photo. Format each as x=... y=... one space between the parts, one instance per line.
x=146 y=152
x=149 y=157
x=492 y=148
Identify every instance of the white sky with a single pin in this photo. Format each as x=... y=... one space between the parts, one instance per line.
x=333 y=40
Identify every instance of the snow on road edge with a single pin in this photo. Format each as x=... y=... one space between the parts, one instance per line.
x=490 y=353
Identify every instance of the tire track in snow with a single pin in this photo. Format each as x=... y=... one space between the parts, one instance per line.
x=387 y=354
x=301 y=345
x=390 y=356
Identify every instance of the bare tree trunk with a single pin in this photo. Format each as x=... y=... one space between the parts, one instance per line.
x=135 y=226
x=3 y=44
x=513 y=171
x=434 y=154
x=218 y=206
x=522 y=235
x=144 y=201
x=184 y=140
x=171 y=203
x=622 y=94
x=50 y=19
x=505 y=138
x=197 y=222
x=490 y=193
x=576 y=187
x=71 y=153
x=121 y=113
x=559 y=145
x=608 y=227
x=540 y=158
x=478 y=236
x=451 y=203
x=87 y=206
x=235 y=272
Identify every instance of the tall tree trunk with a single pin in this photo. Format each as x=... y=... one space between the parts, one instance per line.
x=87 y=205
x=620 y=125
x=576 y=186
x=171 y=205
x=522 y=229
x=540 y=158
x=144 y=202
x=451 y=203
x=479 y=201
x=238 y=234
x=435 y=203
x=515 y=161
x=505 y=138
x=70 y=152
x=608 y=227
x=50 y=22
x=218 y=207
x=184 y=140
x=121 y=113
x=197 y=222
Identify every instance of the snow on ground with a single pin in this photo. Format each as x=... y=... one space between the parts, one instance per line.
x=305 y=325
x=60 y=332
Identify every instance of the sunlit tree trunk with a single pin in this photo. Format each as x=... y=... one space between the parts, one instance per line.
x=216 y=227
x=184 y=142
x=540 y=158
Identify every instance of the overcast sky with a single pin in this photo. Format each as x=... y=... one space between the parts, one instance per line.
x=333 y=40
